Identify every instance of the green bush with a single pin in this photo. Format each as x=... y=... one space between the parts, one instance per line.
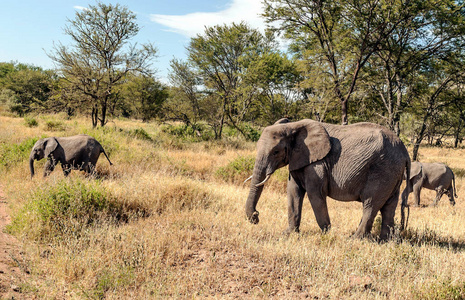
x=68 y=207
x=194 y=133
x=11 y=154
x=237 y=169
x=251 y=134
x=54 y=126
x=31 y=122
x=140 y=133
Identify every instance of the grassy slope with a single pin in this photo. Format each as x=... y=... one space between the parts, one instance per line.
x=185 y=235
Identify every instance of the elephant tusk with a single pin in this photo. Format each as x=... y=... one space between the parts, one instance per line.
x=264 y=181
x=248 y=179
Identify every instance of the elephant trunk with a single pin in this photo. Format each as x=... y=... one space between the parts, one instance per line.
x=256 y=189
x=31 y=165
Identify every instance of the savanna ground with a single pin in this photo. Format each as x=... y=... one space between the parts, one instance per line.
x=168 y=220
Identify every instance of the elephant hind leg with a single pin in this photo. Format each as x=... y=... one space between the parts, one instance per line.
x=89 y=168
x=387 y=213
x=439 y=193
x=450 y=193
x=368 y=217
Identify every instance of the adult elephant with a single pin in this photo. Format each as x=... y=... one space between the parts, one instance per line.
x=432 y=176
x=79 y=152
x=361 y=162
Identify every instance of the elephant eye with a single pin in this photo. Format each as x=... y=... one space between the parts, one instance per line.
x=275 y=152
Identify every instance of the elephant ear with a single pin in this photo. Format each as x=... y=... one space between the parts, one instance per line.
x=282 y=121
x=415 y=169
x=311 y=144
x=49 y=146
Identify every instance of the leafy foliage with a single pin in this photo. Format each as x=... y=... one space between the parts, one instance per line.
x=11 y=154
x=237 y=170
x=101 y=56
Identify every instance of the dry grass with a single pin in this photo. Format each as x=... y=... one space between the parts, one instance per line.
x=192 y=239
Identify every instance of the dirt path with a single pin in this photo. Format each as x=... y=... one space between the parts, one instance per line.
x=11 y=275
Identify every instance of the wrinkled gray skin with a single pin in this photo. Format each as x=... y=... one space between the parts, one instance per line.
x=79 y=152
x=432 y=176
x=361 y=162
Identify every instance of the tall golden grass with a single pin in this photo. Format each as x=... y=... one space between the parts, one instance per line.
x=192 y=239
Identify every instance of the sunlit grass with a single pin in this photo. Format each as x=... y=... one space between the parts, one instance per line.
x=187 y=236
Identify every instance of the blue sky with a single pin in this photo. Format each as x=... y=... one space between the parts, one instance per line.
x=28 y=28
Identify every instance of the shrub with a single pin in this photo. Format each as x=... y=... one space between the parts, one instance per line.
x=140 y=133
x=10 y=154
x=237 y=169
x=67 y=208
x=54 y=126
x=193 y=133
x=31 y=122
x=251 y=134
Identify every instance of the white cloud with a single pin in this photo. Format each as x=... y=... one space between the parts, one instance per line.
x=80 y=7
x=194 y=23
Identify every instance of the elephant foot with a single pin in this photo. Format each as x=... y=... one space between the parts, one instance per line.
x=452 y=203
x=290 y=230
x=326 y=228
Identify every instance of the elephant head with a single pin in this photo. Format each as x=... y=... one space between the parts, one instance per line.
x=42 y=148
x=295 y=144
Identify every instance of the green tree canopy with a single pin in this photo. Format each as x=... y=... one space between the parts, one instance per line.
x=101 y=55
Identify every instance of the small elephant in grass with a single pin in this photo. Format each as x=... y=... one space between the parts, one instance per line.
x=361 y=162
x=79 y=152
x=433 y=176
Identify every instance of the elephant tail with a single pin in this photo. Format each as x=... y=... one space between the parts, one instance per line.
x=403 y=220
x=103 y=151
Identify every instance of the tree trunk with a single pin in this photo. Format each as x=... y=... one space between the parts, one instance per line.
x=344 y=107
x=104 y=114
x=94 y=116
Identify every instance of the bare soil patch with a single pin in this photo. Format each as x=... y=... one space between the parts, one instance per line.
x=13 y=273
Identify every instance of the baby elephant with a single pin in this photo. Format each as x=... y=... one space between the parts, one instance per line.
x=79 y=152
x=433 y=176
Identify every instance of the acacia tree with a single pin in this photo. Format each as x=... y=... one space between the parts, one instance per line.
x=185 y=103
x=276 y=77
x=101 y=55
x=433 y=32
x=336 y=38
x=221 y=57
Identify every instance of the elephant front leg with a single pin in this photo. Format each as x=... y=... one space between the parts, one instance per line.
x=66 y=169
x=295 y=196
x=320 y=209
x=49 y=167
